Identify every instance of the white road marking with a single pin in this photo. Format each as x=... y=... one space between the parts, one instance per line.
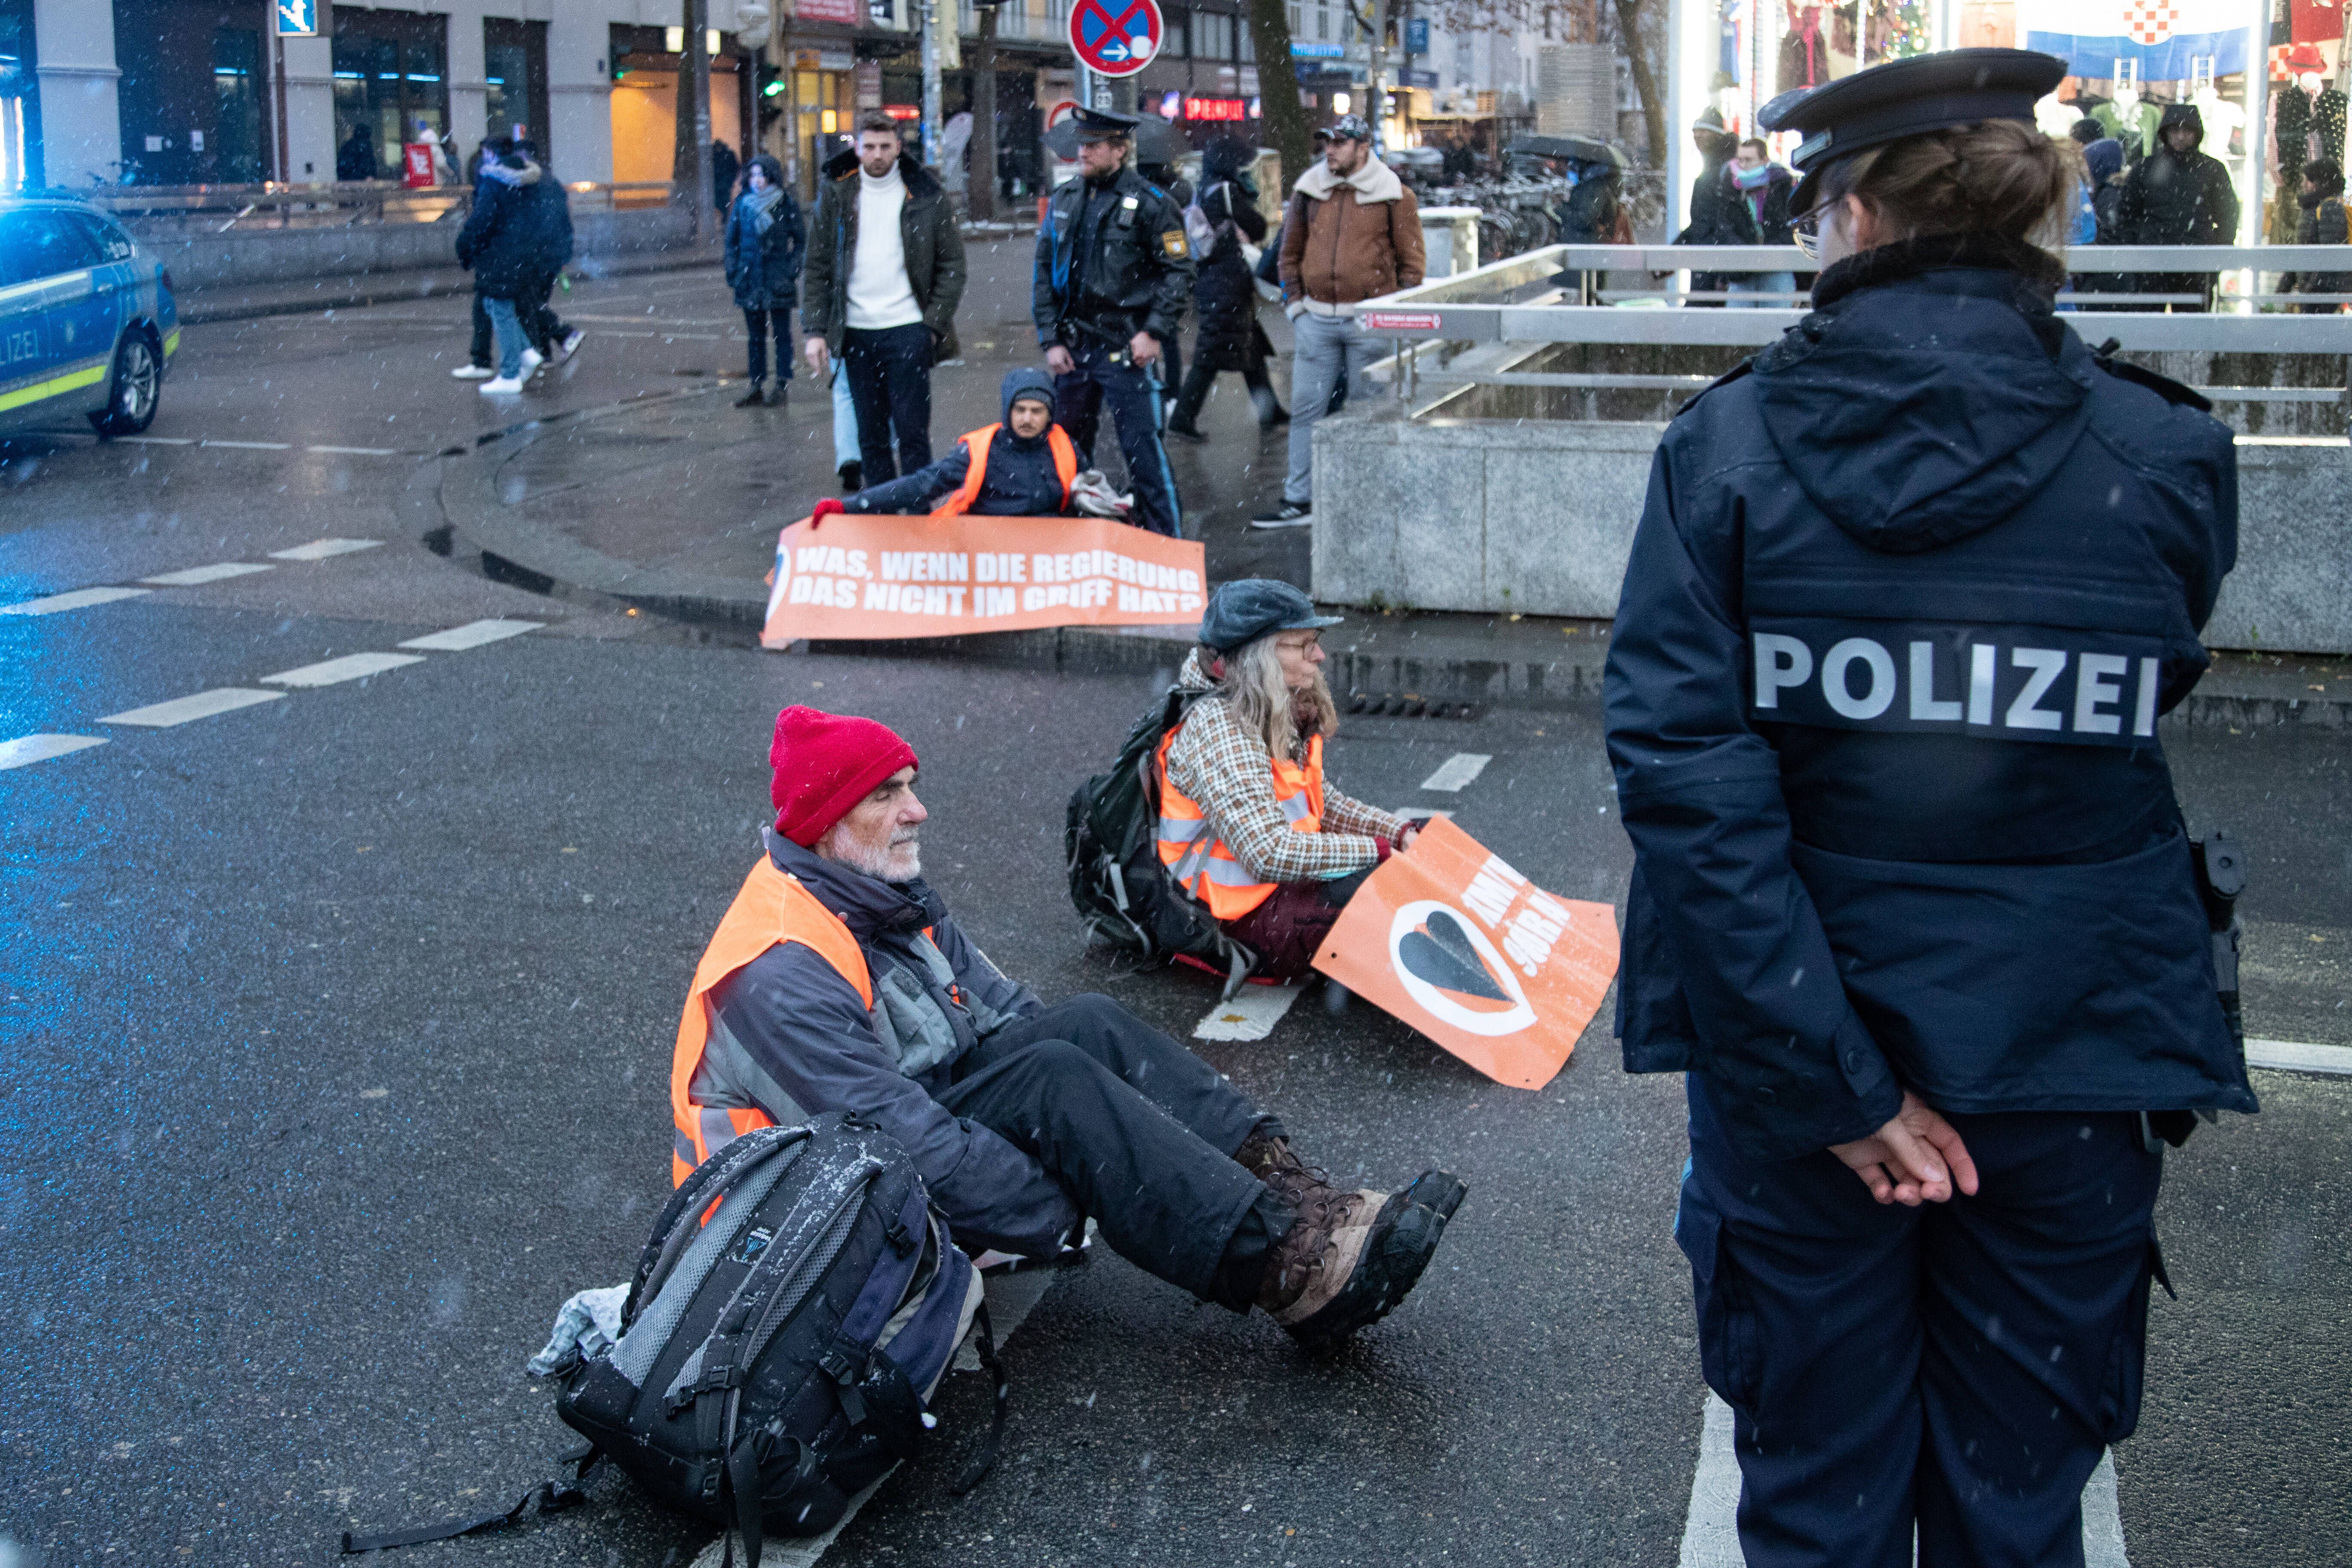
x=79 y=599
x=27 y=749
x=356 y=451
x=203 y=705
x=335 y=671
x=2290 y=1056
x=1421 y=813
x=156 y=440
x=1250 y=1015
x=215 y=573
x=473 y=634
x=1457 y=772
x=1711 y=1528
x=320 y=549
x=250 y=446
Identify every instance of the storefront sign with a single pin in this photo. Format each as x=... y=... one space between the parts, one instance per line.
x=1115 y=37
x=1216 y=109
x=417 y=163
x=297 y=19
x=1449 y=939
x=861 y=577
x=1319 y=51
x=845 y=12
x=1399 y=321
x=866 y=83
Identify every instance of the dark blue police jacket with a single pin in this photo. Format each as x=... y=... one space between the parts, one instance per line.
x=1908 y=595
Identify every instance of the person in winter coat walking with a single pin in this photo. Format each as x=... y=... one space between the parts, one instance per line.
x=765 y=241
x=550 y=219
x=1224 y=292
x=1719 y=216
x=500 y=243
x=2178 y=195
x=1763 y=187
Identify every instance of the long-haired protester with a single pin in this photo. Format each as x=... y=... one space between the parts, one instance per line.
x=1913 y=906
x=1248 y=824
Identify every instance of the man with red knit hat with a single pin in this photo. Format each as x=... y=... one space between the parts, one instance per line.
x=838 y=981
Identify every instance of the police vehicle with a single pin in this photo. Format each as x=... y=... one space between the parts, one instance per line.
x=87 y=325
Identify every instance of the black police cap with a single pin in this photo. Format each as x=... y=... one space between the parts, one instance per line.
x=1094 y=124
x=1907 y=97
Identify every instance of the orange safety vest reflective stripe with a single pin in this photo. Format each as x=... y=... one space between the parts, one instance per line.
x=1065 y=468
x=1202 y=863
x=771 y=907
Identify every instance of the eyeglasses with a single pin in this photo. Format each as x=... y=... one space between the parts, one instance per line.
x=1807 y=232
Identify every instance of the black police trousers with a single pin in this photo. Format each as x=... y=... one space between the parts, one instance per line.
x=1140 y=1132
x=1135 y=400
x=1963 y=1364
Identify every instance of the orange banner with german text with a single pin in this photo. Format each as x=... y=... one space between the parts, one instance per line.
x=914 y=577
x=1450 y=939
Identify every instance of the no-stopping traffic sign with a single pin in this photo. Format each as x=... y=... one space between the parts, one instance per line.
x=1115 y=37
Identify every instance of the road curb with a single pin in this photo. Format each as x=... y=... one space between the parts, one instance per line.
x=360 y=289
x=453 y=506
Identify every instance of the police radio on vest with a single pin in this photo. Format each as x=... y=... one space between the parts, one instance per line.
x=2101 y=690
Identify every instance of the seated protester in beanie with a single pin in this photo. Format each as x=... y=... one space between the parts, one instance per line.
x=1023 y=466
x=1246 y=822
x=839 y=982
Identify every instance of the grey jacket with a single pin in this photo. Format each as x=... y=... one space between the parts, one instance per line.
x=792 y=1037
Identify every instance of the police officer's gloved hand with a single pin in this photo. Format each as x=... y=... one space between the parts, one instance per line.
x=825 y=508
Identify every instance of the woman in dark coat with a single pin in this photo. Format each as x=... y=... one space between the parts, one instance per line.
x=765 y=240
x=1224 y=292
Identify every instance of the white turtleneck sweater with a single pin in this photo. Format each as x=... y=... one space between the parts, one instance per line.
x=879 y=295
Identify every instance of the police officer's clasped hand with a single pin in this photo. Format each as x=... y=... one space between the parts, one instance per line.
x=1058 y=361
x=1144 y=347
x=1916 y=1157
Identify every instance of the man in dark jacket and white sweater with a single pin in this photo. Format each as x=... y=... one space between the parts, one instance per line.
x=883 y=274
x=865 y=996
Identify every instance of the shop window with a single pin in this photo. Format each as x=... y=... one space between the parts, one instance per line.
x=514 y=76
x=239 y=156
x=391 y=87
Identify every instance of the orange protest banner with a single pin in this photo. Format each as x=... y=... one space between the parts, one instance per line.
x=1453 y=940
x=913 y=577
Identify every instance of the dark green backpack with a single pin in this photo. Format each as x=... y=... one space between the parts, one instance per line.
x=1117 y=884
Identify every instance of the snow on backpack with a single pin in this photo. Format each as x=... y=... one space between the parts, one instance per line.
x=1110 y=843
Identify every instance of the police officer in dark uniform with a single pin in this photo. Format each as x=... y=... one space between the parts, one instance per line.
x=1114 y=272
x=1913 y=905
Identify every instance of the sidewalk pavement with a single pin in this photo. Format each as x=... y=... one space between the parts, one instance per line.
x=672 y=503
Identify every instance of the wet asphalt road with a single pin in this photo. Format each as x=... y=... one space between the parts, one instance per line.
x=333 y=1036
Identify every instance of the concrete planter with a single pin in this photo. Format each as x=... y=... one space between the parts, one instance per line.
x=1537 y=517
x=200 y=259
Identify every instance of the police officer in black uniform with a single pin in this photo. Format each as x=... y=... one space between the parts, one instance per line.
x=1913 y=905
x=1114 y=272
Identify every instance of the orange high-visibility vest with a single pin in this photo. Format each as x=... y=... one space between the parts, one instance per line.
x=1201 y=861
x=1065 y=468
x=771 y=907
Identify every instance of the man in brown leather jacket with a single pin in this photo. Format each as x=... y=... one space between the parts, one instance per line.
x=1352 y=232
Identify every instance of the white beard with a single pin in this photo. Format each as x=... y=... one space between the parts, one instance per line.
x=899 y=862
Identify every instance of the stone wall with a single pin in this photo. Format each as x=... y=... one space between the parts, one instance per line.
x=201 y=259
x=1536 y=516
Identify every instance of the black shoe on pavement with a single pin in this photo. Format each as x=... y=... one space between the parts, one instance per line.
x=1185 y=430
x=851 y=472
x=776 y=395
x=1439 y=1192
x=1290 y=514
x=752 y=399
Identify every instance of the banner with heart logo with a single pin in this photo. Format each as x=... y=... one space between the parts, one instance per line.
x=1450 y=939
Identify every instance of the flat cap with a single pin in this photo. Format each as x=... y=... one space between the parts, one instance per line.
x=1248 y=608
x=1907 y=97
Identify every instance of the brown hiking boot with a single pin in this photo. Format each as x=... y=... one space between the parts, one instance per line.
x=1374 y=1255
x=1301 y=1256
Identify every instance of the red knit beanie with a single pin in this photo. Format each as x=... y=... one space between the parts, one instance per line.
x=823 y=764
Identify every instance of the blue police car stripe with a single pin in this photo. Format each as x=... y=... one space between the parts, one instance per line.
x=2008 y=682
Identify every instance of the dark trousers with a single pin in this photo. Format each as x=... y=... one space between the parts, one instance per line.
x=1961 y=1364
x=1204 y=375
x=1138 y=1129
x=1133 y=397
x=890 y=386
x=760 y=323
x=540 y=323
x=1286 y=930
